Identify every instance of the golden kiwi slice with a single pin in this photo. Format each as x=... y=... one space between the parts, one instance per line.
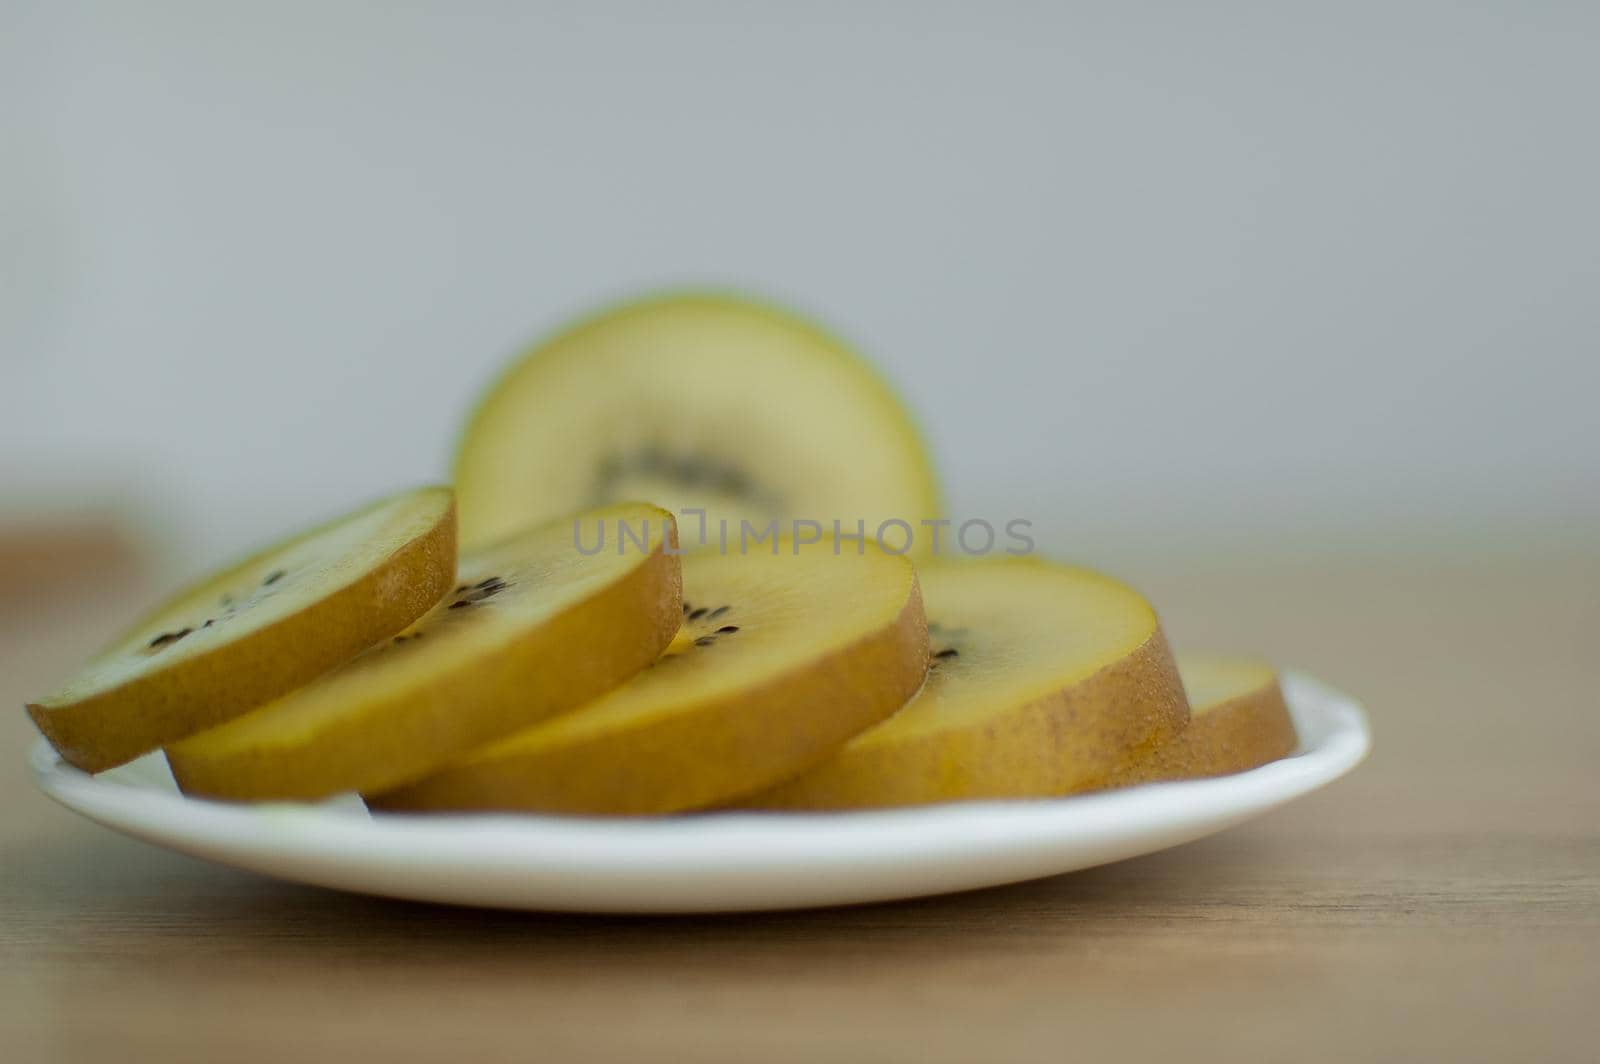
x=536 y=625
x=1046 y=680
x=256 y=630
x=780 y=661
x=1238 y=720
x=696 y=401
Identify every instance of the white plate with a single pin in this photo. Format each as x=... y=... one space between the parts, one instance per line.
x=713 y=862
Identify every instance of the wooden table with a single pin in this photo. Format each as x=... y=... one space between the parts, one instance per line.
x=1443 y=902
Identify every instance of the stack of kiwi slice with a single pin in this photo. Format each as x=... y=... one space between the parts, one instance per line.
x=660 y=583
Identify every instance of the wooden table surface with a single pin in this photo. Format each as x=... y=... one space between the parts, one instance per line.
x=1443 y=902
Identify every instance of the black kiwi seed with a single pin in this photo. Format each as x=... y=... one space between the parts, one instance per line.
x=699 y=613
x=951 y=652
x=485 y=589
x=169 y=637
x=691 y=469
x=687 y=607
x=718 y=612
x=273 y=577
x=458 y=603
x=704 y=641
x=727 y=628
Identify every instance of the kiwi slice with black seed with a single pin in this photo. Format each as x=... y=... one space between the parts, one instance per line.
x=695 y=401
x=1238 y=720
x=1046 y=680
x=533 y=627
x=781 y=659
x=256 y=630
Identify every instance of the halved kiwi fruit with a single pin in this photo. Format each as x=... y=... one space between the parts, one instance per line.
x=536 y=625
x=257 y=629
x=1238 y=720
x=780 y=661
x=1046 y=680
x=695 y=401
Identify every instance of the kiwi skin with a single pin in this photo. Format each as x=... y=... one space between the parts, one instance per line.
x=1240 y=733
x=1080 y=738
x=707 y=754
x=153 y=709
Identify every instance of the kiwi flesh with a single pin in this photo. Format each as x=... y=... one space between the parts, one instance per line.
x=533 y=628
x=695 y=401
x=781 y=660
x=256 y=630
x=1238 y=721
x=1045 y=680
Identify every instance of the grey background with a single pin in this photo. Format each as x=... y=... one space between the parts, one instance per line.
x=1160 y=276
